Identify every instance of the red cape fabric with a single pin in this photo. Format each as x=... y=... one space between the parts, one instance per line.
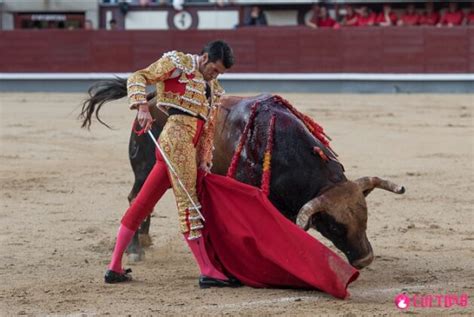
x=247 y=237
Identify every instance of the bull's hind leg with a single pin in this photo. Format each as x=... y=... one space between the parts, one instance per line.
x=135 y=249
x=142 y=159
x=143 y=233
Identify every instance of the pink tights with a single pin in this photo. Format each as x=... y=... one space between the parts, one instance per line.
x=153 y=189
x=200 y=255
x=125 y=235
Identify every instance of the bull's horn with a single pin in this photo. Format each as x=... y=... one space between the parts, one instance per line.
x=308 y=210
x=367 y=184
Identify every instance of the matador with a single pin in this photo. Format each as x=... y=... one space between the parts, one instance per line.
x=188 y=91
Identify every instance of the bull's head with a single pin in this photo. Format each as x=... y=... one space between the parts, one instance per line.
x=340 y=214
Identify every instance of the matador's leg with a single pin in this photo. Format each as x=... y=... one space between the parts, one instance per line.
x=176 y=140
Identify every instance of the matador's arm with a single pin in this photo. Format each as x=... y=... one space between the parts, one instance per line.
x=206 y=142
x=137 y=82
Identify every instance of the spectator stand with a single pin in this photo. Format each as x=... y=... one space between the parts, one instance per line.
x=47 y=15
x=197 y=14
x=201 y=15
x=351 y=59
x=220 y=15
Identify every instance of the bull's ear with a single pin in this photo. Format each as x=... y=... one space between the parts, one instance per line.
x=367 y=184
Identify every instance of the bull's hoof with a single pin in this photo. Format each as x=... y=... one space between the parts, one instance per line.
x=145 y=240
x=136 y=257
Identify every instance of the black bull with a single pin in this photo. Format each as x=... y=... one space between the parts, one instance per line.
x=305 y=186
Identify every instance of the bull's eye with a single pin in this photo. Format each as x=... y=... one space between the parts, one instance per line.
x=336 y=229
x=327 y=225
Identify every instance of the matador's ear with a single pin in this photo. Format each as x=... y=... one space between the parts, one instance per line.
x=205 y=58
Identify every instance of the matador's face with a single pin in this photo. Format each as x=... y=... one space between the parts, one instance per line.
x=210 y=70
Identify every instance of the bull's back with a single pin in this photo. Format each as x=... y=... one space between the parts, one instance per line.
x=233 y=114
x=298 y=174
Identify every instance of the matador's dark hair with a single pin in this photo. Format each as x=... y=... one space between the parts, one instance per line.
x=219 y=51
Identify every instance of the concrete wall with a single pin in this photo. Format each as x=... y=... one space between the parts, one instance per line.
x=233 y=85
x=10 y=7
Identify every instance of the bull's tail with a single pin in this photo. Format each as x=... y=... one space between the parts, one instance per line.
x=100 y=93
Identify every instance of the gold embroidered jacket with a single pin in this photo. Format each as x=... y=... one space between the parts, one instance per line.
x=180 y=85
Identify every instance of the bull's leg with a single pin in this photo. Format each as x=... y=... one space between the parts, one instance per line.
x=135 y=250
x=140 y=240
x=143 y=233
x=142 y=159
x=141 y=152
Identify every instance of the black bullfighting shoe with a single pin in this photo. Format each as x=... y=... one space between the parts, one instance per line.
x=207 y=282
x=112 y=277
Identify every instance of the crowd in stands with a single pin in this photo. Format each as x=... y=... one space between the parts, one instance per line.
x=350 y=16
x=444 y=14
x=447 y=14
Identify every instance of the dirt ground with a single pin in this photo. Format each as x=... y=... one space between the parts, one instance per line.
x=63 y=191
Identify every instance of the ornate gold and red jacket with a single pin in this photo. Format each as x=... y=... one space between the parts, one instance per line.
x=179 y=85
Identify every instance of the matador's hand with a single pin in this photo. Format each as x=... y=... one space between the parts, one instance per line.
x=205 y=167
x=144 y=117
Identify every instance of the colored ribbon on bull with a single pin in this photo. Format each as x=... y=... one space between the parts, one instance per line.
x=235 y=159
x=171 y=168
x=316 y=130
x=267 y=158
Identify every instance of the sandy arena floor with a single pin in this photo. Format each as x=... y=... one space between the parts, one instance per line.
x=63 y=191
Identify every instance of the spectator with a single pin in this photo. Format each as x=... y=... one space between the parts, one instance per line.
x=430 y=17
x=452 y=17
x=113 y=24
x=410 y=17
x=255 y=17
x=313 y=21
x=321 y=19
x=366 y=17
x=325 y=20
x=387 y=17
x=350 y=18
x=470 y=16
x=88 y=25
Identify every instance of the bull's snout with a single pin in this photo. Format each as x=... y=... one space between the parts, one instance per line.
x=365 y=261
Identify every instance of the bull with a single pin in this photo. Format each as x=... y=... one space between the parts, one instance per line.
x=308 y=185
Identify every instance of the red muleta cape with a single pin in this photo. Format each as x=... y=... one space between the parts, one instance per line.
x=247 y=237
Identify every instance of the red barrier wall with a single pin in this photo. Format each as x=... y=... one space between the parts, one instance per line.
x=267 y=49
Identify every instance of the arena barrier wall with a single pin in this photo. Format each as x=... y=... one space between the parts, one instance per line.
x=294 y=57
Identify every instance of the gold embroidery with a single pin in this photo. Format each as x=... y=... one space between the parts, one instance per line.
x=206 y=141
x=193 y=101
x=194 y=98
x=185 y=62
x=156 y=72
x=176 y=140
